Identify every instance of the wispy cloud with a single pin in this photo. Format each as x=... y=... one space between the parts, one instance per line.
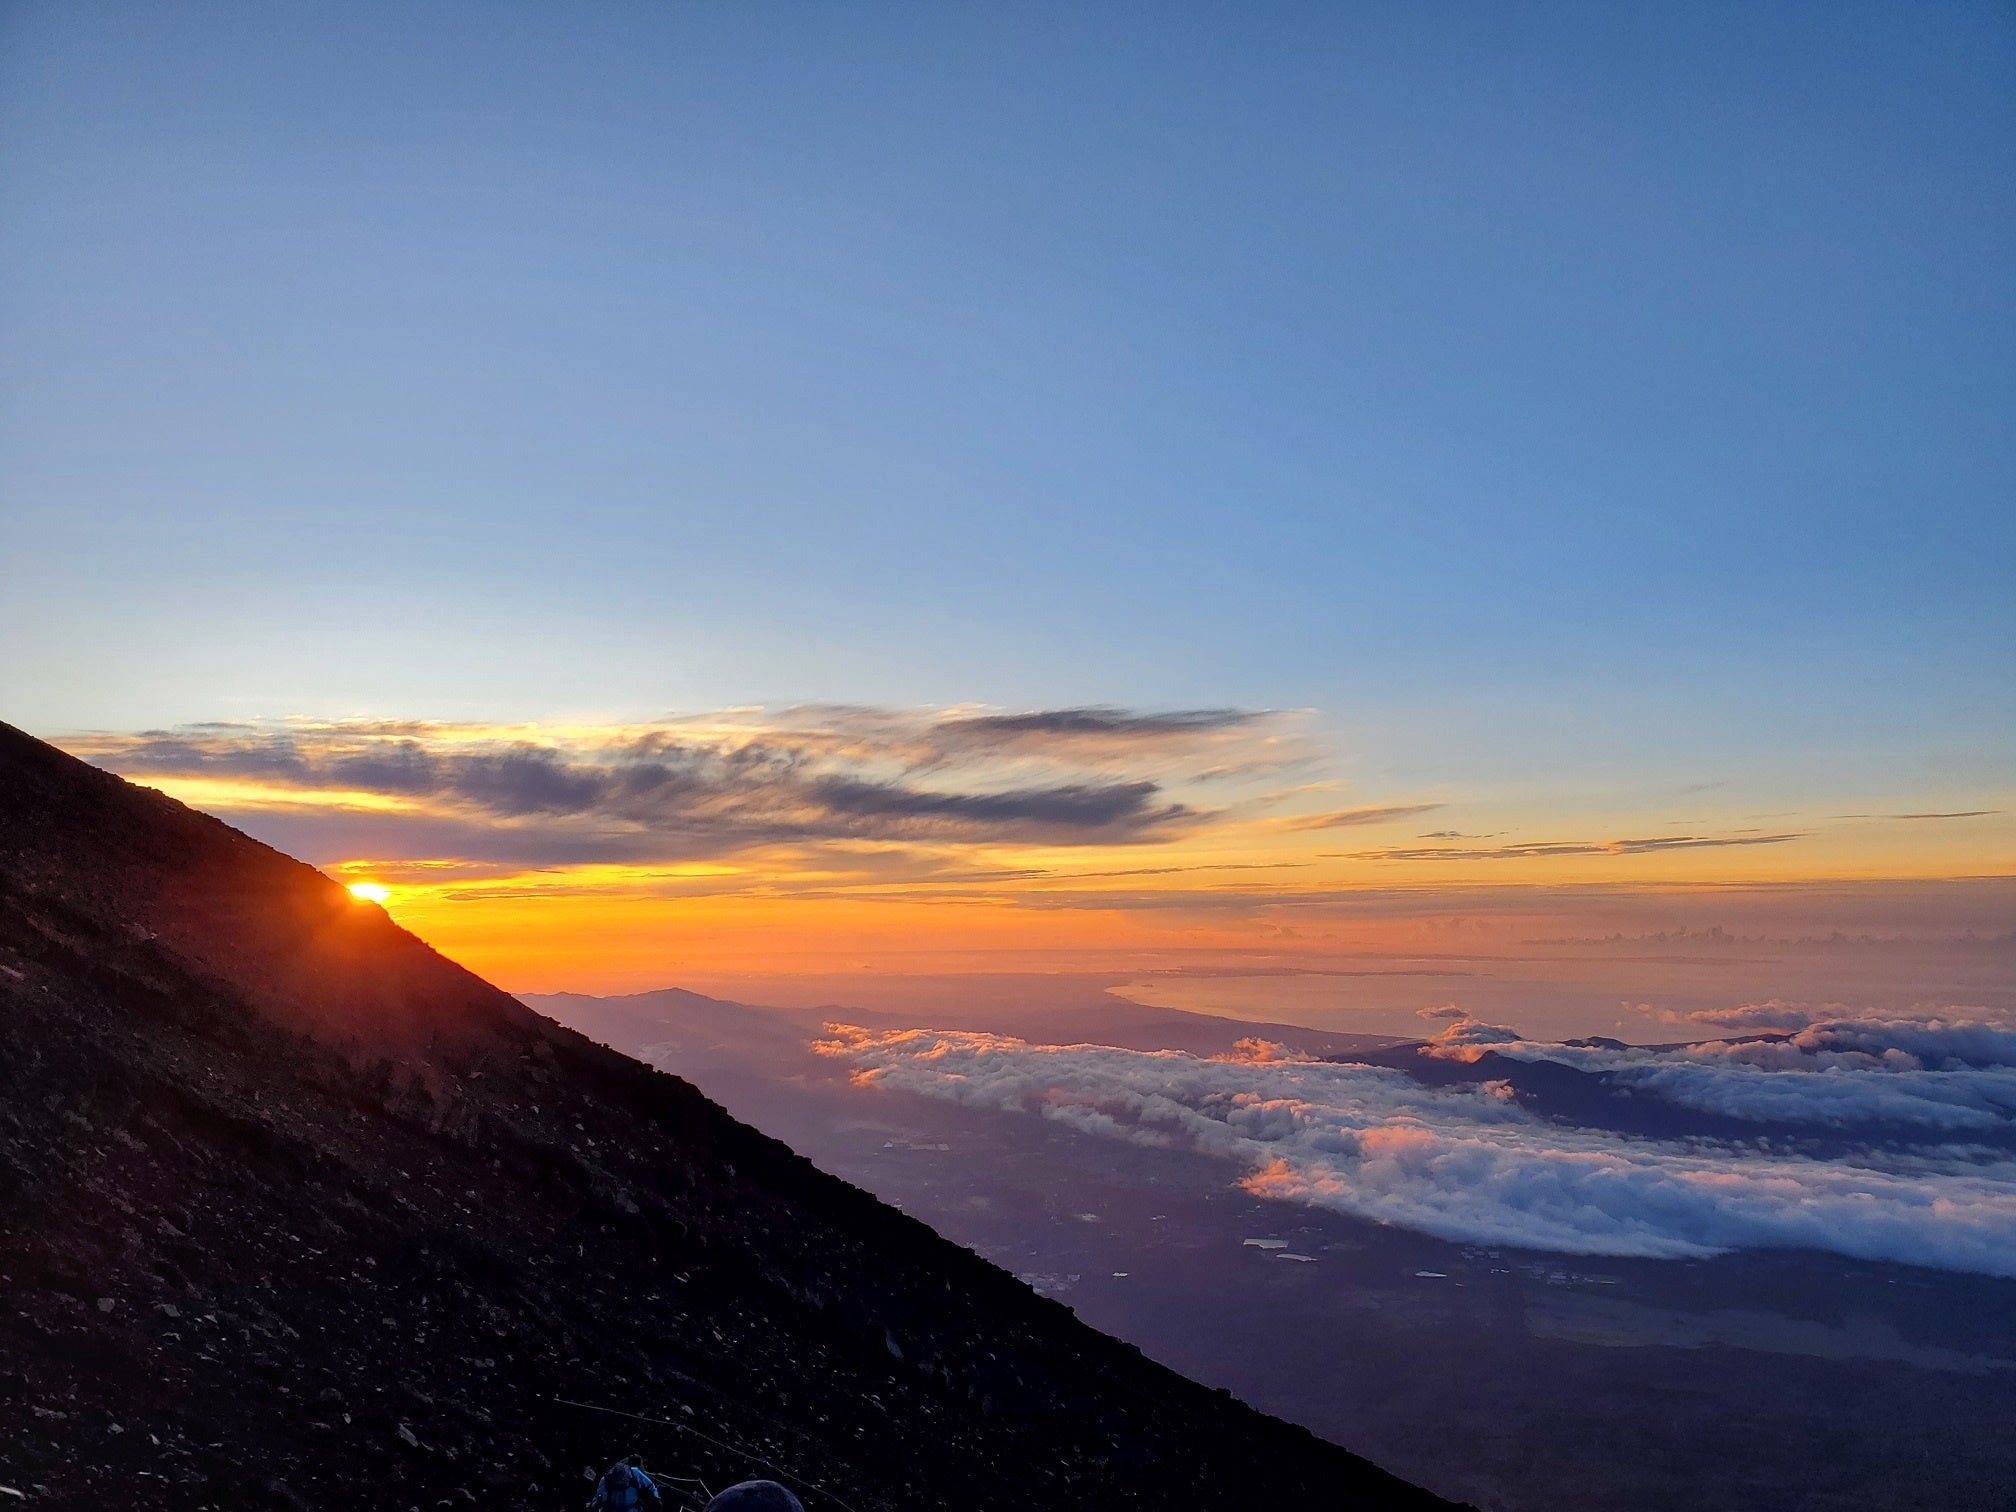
x=1952 y=814
x=1527 y=850
x=1348 y=818
x=1102 y=724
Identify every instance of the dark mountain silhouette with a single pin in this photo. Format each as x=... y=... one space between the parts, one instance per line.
x=702 y=1031
x=295 y=1212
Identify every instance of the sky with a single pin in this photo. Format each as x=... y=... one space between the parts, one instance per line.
x=618 y=475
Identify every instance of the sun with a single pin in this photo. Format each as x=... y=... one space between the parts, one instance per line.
x=370 y=892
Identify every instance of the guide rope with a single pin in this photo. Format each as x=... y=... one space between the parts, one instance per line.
x=678 y=1484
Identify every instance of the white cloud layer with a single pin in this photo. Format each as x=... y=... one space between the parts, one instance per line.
x=1948 y=1075
x=1470 y=1164
x=1750 y=1017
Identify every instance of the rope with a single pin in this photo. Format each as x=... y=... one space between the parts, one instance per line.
x=717 y=1443
x=677 y=1484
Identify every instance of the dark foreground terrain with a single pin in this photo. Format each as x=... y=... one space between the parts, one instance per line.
x=297 y=1213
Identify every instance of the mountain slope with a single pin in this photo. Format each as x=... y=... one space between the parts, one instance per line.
x=295 y=1211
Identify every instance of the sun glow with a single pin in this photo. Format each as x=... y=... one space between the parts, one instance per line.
x=370 y=892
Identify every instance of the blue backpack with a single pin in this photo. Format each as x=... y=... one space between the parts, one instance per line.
x=622 y=1489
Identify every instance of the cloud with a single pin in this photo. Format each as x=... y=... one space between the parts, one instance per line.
x=1465 y=1038
x=1167 y=871
x=717 y=784
x=1257 y=1051
x=1942 y=1076
x=1100 y=723
x=1811 y=909
x=1446 y=1011
x=1954 y=814
x=1934 y=1042
x=1940 y=1106
x=1075 y=806
x=1524 y=851
x=1344 y=818
x=1465 y=1163
x=1775 y=1014
x=1213 y=745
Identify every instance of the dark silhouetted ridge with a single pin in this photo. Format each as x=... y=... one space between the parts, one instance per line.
x=298 y=1213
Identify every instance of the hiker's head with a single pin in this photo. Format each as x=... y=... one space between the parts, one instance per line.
x=632 y=1461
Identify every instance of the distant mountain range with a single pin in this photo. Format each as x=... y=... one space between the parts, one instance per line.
x=295 y=1212
x=700 y=1028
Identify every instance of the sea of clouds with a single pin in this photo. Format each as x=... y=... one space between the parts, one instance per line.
x=1944 y=1075
x=1472 y=1163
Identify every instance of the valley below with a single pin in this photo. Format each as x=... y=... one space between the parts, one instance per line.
x=1514 y=1378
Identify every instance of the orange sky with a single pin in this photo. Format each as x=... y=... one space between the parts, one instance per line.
x=823 y=840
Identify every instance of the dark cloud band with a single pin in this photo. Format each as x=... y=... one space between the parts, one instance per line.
x=714 y=788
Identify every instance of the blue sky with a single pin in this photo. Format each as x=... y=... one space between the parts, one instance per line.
x=1621 y=392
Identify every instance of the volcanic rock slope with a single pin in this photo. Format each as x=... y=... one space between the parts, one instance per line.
x=295 y=1212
